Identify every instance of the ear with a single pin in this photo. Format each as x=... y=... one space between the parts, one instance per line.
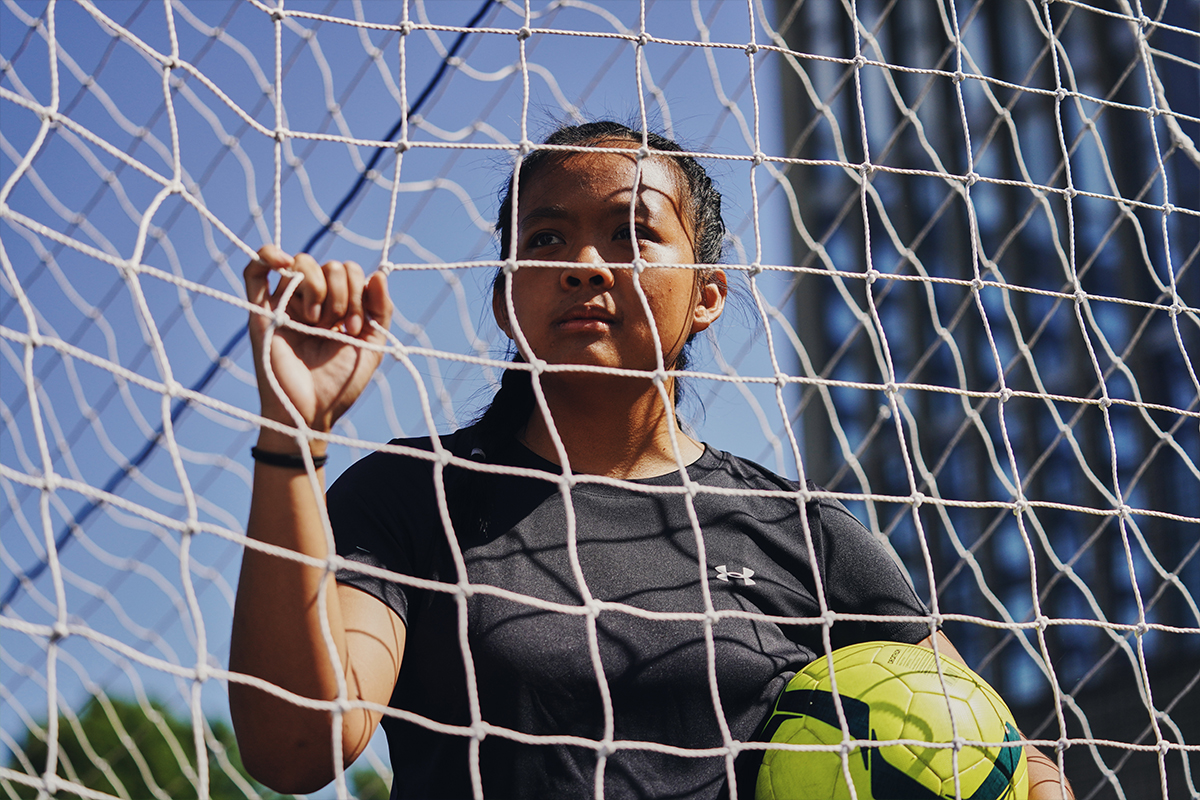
x=710 y=300
x=499 y=308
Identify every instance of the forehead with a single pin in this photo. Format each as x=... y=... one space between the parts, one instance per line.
x=608 y=176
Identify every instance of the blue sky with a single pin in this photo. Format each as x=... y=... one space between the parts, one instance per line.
x=122 y=573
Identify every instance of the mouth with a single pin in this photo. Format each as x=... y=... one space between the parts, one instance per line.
x=586 y=318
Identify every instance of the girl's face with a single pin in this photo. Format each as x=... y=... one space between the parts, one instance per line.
x=577 y=209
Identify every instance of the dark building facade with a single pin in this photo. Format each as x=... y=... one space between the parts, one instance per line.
x=996 y=218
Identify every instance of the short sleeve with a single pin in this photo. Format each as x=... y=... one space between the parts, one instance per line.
x=862 y=577
x=383 y=515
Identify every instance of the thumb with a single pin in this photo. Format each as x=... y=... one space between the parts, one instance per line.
x=377 y=303
x=270 y=259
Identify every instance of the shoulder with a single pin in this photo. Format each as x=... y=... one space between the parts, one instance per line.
x=718 y=468
x=736 y=472
x=402 y=462
x=763 y=486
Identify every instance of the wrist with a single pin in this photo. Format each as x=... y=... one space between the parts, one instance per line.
x=273 y=441
x=285 y=460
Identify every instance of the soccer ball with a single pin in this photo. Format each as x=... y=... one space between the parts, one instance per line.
x=892 y=691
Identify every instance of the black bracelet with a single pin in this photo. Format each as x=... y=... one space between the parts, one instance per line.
x=285 y=460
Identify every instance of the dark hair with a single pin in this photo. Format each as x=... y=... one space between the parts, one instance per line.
x=702 y=195
x=514 y=401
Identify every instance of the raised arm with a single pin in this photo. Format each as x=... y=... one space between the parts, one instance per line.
x=276 y=622
x=1045 y=781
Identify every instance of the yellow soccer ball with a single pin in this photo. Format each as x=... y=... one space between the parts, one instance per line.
x=893 y=691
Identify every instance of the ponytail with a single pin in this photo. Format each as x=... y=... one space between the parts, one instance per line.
x=510 y=410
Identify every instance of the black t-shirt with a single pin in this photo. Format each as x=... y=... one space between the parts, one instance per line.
x=528 y=629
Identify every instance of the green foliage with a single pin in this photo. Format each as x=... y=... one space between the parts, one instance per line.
x=157 y=759
x=367 y=785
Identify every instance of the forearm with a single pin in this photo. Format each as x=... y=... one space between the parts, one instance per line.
x=1045 y=780
x=277 y=636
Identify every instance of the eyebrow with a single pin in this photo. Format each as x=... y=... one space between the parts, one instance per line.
x=545 y=212
x=559 y=212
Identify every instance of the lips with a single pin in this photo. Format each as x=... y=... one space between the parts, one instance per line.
x=586 y=317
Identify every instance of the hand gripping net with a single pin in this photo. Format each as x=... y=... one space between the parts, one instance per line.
x=965 y=236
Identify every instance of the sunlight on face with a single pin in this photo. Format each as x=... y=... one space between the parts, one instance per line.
x=577 y=209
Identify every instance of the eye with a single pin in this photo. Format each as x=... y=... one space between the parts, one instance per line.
x=544 y=239
x=622 y=234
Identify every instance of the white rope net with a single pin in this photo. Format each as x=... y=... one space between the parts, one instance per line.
x=965 y=234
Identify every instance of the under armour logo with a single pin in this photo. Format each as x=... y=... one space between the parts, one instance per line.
x=744 y=576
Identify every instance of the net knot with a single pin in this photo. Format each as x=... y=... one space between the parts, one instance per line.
x=277 y=15
x=859 y=61
x=51 y=782
x=524 y=33
x=918 y=499
x=759 y=158
x=406 y=27
x=1060 y=94
x=644 y=39
x=59 y=632
x=751 y=49
x=1006 y=394
x=958 y=76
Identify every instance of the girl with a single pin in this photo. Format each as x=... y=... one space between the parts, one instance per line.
x=562 y=637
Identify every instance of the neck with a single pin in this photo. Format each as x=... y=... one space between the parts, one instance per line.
x=618 y=427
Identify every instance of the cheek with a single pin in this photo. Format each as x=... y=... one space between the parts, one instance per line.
x=532 y=293
x=671 y=297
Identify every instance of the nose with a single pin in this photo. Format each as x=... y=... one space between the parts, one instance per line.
x=595 y=274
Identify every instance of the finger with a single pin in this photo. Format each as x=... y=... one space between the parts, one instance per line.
x=377 y=303
x=306 y=301
x=337 y=294
x=354 y=299
x=257 y=273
